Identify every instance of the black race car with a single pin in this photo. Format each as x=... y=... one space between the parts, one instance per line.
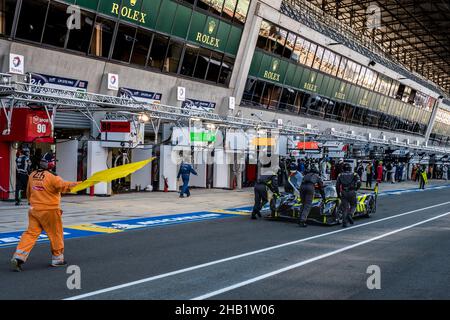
x=327 y=212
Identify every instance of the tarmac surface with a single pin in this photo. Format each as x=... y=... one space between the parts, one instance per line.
x=238 y=258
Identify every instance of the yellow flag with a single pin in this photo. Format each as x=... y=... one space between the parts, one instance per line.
x=425 y=177
x=111 y=174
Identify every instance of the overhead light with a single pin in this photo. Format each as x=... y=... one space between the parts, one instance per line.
x=195 y=119
x=144 y=118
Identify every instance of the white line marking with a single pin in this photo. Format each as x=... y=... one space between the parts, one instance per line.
x=165 y=275
x=305 y=262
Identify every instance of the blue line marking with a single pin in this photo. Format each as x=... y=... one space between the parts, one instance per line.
x=9 y=239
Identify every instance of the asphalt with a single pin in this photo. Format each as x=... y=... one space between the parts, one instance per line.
x=321 y=262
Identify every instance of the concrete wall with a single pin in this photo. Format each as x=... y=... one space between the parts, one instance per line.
x=42 y=60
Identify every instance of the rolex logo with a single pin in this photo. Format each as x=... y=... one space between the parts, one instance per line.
x=133 y=2
x=275 y=65
x=211 y=26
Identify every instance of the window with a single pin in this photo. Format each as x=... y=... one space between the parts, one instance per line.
x=79 y=39
x=124 y=43
x=215 y=63
x=304 y=48
x=290 y=44
x=214 y=6
x=356 y=71
x=257 y=94
x=201 y=65
x=31 y=20
x=318 y=58
x=248 y=90
x=361 y=76
x=225 y=70
x=369 y=79
x=348 y=73
x=229 y=9
x=102 y=37
x=297 y=49
x=173 y=56
x=55 y=31
x=394 y=89
x=287 y=99
x=158 y=52
x=240 y=15
x=336 y=63
x=311 y=55
x=376 y=87
x=190 y=56
x=7 y=11
x=281 y=37
x=326 y=65
x=265 y=33
x=140 y=47
x=341 y=69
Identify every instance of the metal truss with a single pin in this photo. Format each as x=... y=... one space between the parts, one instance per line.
x=18 y=94
x=415 y=33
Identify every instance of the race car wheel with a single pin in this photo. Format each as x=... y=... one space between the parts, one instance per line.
x=372 y=208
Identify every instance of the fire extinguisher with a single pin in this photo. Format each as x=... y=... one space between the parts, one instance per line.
x=166 y=184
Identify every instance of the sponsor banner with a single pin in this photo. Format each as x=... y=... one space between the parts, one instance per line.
x=162 y=220
x=141 y=96
x=198 y=105
x=16 y=63
x=53 y=82
x=90 y=229
x=115 y=126
x=113 y=81
x=13 y=238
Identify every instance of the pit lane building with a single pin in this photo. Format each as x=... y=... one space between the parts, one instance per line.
x=288 y=60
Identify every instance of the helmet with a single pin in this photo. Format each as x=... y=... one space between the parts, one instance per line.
x=313 y=169
x=347 y=167
x=26 y=150
x=48 y=161
x=292 y=167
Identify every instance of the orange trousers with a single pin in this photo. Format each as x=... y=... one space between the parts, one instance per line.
x=51 y=222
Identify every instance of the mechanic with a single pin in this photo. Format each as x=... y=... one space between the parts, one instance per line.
x=295 y=178
x=23 y=165
x=421 y=172
x=347 y=184
x=185 y=173
x=263 y=184
x=44 y=195
x=310 y=181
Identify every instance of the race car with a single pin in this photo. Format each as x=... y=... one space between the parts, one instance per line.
x=328 y=212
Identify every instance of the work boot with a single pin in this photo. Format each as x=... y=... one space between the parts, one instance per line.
x=344 y=225
x=59 y=264
x=181 y=196
x=259 y=214
x=302 y=224
x=17 y=203
x=16 y=265
x=253 y=217
x=350 y=219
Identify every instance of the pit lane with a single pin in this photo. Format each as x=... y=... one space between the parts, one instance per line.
x=154 y=259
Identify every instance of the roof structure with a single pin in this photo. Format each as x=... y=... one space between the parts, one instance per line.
x=412 y=33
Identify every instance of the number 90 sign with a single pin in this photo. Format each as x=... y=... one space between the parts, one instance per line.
x=41 y=128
